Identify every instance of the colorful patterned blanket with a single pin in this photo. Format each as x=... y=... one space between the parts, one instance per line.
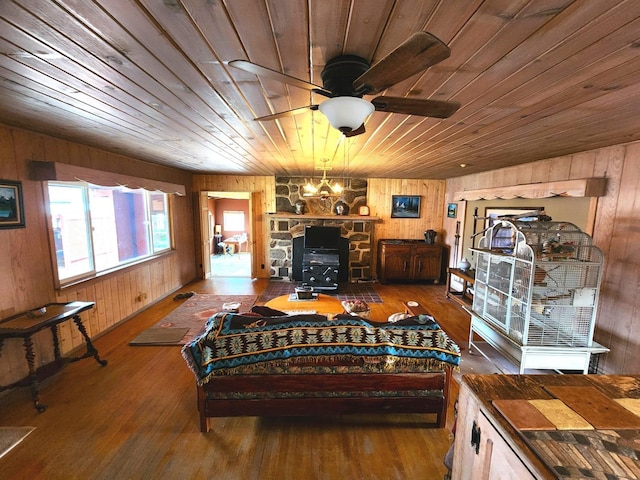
x=235 y=344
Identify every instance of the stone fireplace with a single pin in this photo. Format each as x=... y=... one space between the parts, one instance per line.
x=285 y=225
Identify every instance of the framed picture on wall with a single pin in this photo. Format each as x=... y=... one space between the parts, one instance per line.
x=452 y=210
x=405 y=206
x=11 y=207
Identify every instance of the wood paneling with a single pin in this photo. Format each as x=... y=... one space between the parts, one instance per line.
x=615 y=218
x=151 y=79
x=379 y=193
x=26 y=272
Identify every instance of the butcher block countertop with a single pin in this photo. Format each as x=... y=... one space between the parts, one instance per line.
x=567 y=425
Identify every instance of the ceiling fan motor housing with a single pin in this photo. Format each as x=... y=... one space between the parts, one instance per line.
x=340 y=72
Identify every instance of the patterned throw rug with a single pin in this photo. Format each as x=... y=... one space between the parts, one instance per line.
x=189 y=319
x=346 y=291
x=12 y=436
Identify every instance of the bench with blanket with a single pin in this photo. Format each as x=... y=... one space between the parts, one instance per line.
x=272 y=364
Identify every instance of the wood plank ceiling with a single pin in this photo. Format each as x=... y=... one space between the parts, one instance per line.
x=150 y=79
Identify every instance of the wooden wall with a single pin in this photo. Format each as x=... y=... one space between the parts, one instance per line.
x=26 y=271
x=432 y=213
x=432 y=192
x=616 y=232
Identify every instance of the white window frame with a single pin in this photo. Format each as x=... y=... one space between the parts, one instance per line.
x=93 y=272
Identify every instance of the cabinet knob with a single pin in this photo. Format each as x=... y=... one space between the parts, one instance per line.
x=475 y=437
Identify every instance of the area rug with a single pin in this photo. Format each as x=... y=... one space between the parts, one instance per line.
x=188 y=320
x=12 y=436
x=346 y=291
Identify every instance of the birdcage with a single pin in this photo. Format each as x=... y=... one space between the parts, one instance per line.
x=536 y=291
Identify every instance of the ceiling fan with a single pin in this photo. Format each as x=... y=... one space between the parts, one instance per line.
x=347 y=78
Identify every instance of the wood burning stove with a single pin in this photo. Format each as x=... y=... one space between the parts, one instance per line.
x=321 y=257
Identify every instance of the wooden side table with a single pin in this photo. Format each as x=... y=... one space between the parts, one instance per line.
x=468 y=277
x=24 y=325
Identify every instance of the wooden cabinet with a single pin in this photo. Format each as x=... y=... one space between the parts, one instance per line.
x=409 y=260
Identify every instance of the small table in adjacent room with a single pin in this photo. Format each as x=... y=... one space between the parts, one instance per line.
x=24 y=325
x=468 y=277
x=322 y=304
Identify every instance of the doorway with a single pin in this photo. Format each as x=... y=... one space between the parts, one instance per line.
x=227 y=223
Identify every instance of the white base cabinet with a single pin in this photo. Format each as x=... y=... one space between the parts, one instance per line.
x=481 y=452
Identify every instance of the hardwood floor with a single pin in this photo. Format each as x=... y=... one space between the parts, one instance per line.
x=137 y=418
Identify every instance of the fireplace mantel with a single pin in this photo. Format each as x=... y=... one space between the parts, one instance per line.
x=345 y=218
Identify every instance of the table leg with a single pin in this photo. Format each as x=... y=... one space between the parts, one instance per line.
x=33 y=377
x=91 y=350
x=56 y=342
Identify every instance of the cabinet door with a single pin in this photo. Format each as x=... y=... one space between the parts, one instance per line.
x=394 y=262
x=397 y=266
x=427 y=261
x=480 y=452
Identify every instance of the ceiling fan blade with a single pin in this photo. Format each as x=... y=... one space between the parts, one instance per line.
x=286 y=113
x=415 y=106
x=416 y=54
x=358 y=131
x=275 y=75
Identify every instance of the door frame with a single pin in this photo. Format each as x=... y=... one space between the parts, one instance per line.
x=206 y=229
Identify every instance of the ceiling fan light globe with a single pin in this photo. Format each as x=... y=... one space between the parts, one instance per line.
x=346 y=113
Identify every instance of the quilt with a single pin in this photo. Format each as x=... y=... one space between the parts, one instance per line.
x=235 y=344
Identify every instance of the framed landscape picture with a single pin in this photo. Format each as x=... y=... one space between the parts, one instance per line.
x=405 y=206
x=11 y=209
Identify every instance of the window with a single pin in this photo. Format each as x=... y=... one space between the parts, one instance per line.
x=100 y=228
x=233 y=221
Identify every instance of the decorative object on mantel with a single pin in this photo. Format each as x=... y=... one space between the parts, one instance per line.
x=364 y=211
x=300 y=205
x=584 y=187
x=341 y=208
x=430 y=236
